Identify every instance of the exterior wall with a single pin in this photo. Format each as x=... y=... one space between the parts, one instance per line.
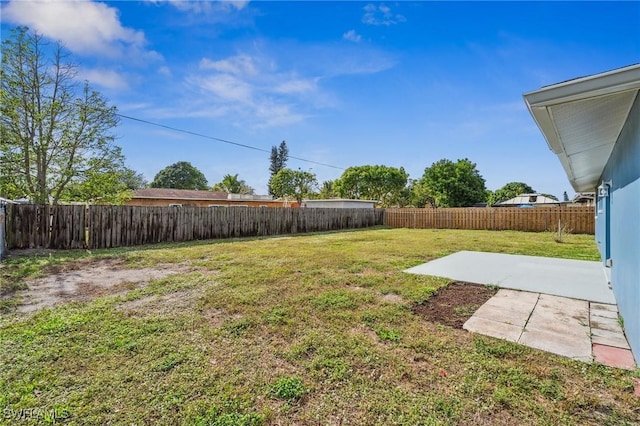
x=206 y=203
x=623 y=170
x=339 y=204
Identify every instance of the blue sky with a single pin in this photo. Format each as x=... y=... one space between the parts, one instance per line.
x=344 y=83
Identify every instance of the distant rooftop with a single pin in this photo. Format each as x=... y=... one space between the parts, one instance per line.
x=178 y=194
x=528 y=199
x=194 y=194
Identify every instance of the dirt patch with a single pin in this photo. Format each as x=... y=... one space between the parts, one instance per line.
x=454 y=304
x=166 y=305
x=29 y=252
x=86 y=280
x=392 y=298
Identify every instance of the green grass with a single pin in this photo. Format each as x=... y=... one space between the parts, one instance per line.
x=289 y=389
x=293 y=331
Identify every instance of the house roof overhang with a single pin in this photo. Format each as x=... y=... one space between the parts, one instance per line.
x=581 y=120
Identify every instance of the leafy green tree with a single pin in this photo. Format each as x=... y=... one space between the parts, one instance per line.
x=54 y=130
x=416 y=196
x=449 y=184
x=381 y=183
x=327 y=189
x=509 y=191
x=133 y=180
x=180 y=175
x=105 y=185
x=278 y=161
x=293 y=183
x=233 y=185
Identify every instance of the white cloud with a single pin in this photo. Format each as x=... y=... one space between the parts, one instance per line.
x=265 y=86
x=83 y=26
x=351 y=35
x=251 y=91
x=165 y=70
x=226 y=87
x=200 y=7
x=274 y=115
x=104 y=78
x=297 y=86
x=134 y=106
x=239 y=65
x=381 y=15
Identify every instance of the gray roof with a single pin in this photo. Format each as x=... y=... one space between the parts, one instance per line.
x=528 y=199
x=582 y=118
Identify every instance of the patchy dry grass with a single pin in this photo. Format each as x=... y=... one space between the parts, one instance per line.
x=313 y=329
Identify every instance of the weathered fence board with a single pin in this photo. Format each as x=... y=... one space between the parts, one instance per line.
x=578 y=220
x=120 y=226
x=31 y=226
x=68 y=227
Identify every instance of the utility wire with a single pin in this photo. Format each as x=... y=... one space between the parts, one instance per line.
x=189 y=132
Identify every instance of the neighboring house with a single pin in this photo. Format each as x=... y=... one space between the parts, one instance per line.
x=196 y=198
x=583 y=199
x=593 y=125
x=339 y=203
x=4 y=201
x=527 y=200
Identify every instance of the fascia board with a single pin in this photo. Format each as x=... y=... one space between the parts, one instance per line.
x=619 y=80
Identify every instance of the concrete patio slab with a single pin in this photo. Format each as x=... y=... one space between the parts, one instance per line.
x=555 y=324
x=496 y=313
x=614 y=357
x=547 y=323
x=516 y=296
x=556 y=305
x=562 y=315
x=497 y=329
x=595 y=307
x=615 y=342
x=576 y=279
x=603 y=323
x=515 y=307
x=571 y=346
x=605 y=311
x=606 y=333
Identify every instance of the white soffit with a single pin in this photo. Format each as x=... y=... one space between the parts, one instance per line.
x=581 y=120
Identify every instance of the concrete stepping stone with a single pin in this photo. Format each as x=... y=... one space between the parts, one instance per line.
x=613 y=357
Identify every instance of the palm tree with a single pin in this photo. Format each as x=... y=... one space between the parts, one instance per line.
x=233 y=185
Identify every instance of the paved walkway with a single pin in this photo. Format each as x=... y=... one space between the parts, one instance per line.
x=583 y=326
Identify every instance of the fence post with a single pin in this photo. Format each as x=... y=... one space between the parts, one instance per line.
x=3 y=216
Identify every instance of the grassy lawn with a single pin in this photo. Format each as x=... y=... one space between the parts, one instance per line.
x=292 y=330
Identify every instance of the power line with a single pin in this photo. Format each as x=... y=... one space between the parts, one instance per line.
x=189 y=132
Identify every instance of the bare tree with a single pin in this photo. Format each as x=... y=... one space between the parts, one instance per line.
x=54 y=129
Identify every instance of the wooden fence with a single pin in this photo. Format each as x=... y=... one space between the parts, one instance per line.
x=70 y=227
x=577 y=220
x=67 y=227
x=29 y=226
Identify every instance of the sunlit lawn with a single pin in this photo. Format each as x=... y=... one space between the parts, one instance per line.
x=294 y=330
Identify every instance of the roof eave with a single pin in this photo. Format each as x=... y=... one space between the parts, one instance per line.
x=618 y=80
x=539 y=103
